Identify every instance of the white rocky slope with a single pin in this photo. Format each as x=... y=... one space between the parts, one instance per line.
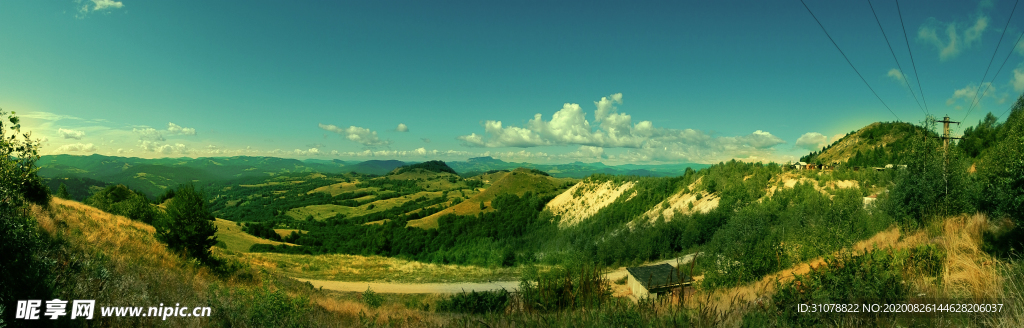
x=584 y=199
x=684 y=202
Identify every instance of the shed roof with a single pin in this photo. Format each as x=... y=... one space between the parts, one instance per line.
x=657 y=275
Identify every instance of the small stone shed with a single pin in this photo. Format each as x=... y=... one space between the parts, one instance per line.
x=653 y=280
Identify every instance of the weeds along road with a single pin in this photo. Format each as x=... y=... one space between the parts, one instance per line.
x=446 y=288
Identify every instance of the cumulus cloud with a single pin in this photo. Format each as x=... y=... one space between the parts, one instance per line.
x=70 y=134
x=472 y=140
x=402 y=128
x=761 y=140
x=364 y=136
x=948 y=39
x=612 y=129
x=76 y=147
x=309 y=152
x=149 y=134
x=177 y=129
x=165 y=149
x=589 y=152
x=812 y=141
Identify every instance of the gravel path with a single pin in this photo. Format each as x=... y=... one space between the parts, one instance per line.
x=399 y=288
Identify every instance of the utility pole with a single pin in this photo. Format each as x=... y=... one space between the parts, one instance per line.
x=945 y=131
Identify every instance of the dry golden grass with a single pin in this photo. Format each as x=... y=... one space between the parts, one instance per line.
x=967 y=271
x=344 y=267
x=124 y=239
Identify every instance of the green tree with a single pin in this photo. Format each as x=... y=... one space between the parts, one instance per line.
x=935 y=183
x=188 y=226
x=24 y=266
x=62 y=192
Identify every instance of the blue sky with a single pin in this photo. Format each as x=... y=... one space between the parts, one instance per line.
x=617 y=82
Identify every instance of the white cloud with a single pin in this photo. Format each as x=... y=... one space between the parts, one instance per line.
x=969 y=94
x=589 y=152
x=177 y=129
x=812 y=141
x=605 y=106
x=761 y=140
x=47 y=116
x=472 y=140
x=97 y=5
x=76 y=147
x=952 y=42
x=569 y=126
x=70 y=134
x=165 y=149
x=361 y=135
x=402 y=128
x=1018 y=80
x=106 y=4
x=895 y=74
x=150 y=134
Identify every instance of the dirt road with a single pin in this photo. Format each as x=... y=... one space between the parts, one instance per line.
x=447 y=288
x=399 y=288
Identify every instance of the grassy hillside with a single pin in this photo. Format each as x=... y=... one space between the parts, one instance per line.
x=237 y=240
x=517 y=182
x=877 y=144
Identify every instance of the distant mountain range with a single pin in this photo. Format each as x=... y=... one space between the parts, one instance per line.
x=154 y=176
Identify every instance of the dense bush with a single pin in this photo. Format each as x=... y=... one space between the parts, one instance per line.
x=936 y=183
x=118 y=199
x=876 y=277
x=262 y=230
x=475 y=302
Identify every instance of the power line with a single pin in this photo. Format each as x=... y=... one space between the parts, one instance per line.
x=902 y=76
x=848 y=60
x=907 y=40
x=976 y=94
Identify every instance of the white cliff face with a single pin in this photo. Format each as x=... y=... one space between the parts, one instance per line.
x=684 y=202
x=584 y=199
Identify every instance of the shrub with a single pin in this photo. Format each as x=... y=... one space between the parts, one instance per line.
x=475 y=302
x=372 y=299
x=874 y=277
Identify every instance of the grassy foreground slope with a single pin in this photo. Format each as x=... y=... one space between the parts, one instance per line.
x=119 y=262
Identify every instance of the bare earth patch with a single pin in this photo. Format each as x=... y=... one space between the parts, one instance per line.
x=595 y=196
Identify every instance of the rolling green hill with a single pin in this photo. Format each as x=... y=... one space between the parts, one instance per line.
x=877 y=144
x=517 y=182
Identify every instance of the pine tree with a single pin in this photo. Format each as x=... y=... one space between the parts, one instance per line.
x=188 y=227
x=62 y=192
